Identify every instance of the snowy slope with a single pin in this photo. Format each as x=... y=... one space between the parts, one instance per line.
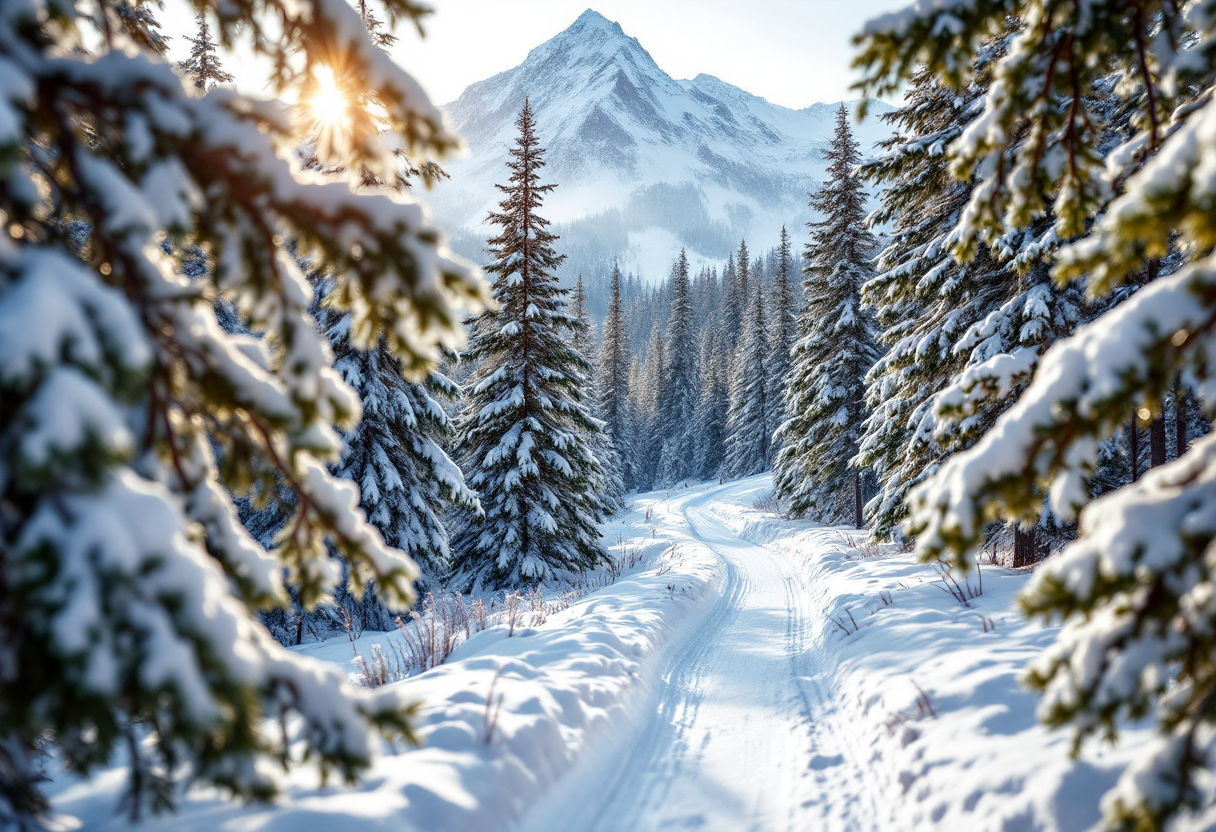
x=760 y=674
x=562 y=686
x=644 y=163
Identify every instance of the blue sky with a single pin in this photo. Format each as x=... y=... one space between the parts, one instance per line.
x=792 y=52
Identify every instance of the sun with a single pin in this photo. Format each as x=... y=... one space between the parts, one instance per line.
x=328 y=105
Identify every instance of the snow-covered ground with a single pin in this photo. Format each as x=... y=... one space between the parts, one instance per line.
x=751 y=673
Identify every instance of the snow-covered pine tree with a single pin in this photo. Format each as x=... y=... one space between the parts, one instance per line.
x=527 y=438
x=709 y=431
x=1135 y=590
x=583 y=339
x=825 y=391
x=747 y=434
x=127 y=584
x=782 y=335
x=613 y=399
x=923 y=300
x=706 y=296
x=644 y=385
x=730 y=308
x=584 y=332
x=203 y=66
x=736 y=296
x=678 y=388
x=396 y=454
x=964 y=339
x=141 y=25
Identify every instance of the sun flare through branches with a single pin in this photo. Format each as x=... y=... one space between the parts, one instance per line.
x=327 y=104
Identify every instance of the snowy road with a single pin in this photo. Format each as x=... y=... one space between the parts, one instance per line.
x=741 y=735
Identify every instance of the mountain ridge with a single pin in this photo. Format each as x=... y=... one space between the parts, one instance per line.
x=645 y=163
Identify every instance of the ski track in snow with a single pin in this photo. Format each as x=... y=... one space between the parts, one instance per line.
x=742 y=732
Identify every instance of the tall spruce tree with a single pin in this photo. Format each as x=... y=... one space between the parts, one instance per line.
x=128 y=587
x=782 y=335
x=747 y=434
x=583 y=340
x=712 y=407
x=964 y=338
x=527 y=438
x=396 y=454
x=613 y=379
x=825 y=394
x=924 y=301
x=731 y=308
x=678 y=388
x=644 y=389
x=584 y=334
x=736 y=296
x=1134 y=590
x=203 y=65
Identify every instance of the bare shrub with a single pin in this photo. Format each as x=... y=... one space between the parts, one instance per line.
x=924 y=708
x=962 y=591
x=493 y=710
x=770 y=503
x=674 y=557
x=382 y=669
x=537 y=606
x=870 y=548
x=510 y=604
x=630 y=556
x=842 y=625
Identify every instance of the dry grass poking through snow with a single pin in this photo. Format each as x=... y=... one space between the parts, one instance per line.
x=428 y=635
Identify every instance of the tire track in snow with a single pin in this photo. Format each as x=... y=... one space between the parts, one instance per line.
x=742 y=734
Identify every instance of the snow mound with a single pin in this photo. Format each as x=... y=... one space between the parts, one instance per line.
x=501 y=722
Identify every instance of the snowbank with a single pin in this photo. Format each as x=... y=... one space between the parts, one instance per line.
x=501 y=721
x=929 y=688
x=928 y=724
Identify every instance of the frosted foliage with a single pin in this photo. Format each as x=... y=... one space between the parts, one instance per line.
x=132 y=417
x=1135 y=588
x=1138 y=592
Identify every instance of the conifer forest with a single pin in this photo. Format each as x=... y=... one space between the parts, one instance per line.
x=601 y=451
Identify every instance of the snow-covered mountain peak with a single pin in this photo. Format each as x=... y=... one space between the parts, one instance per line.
x=591 y=42
x=590 y=23
x=695 y=163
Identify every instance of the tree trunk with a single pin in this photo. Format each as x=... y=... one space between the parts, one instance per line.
x=1156 y=436
x=1179 y=420
x=857 y=498
x=1024 y=546
x=1134 y=442
x=299 y=626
